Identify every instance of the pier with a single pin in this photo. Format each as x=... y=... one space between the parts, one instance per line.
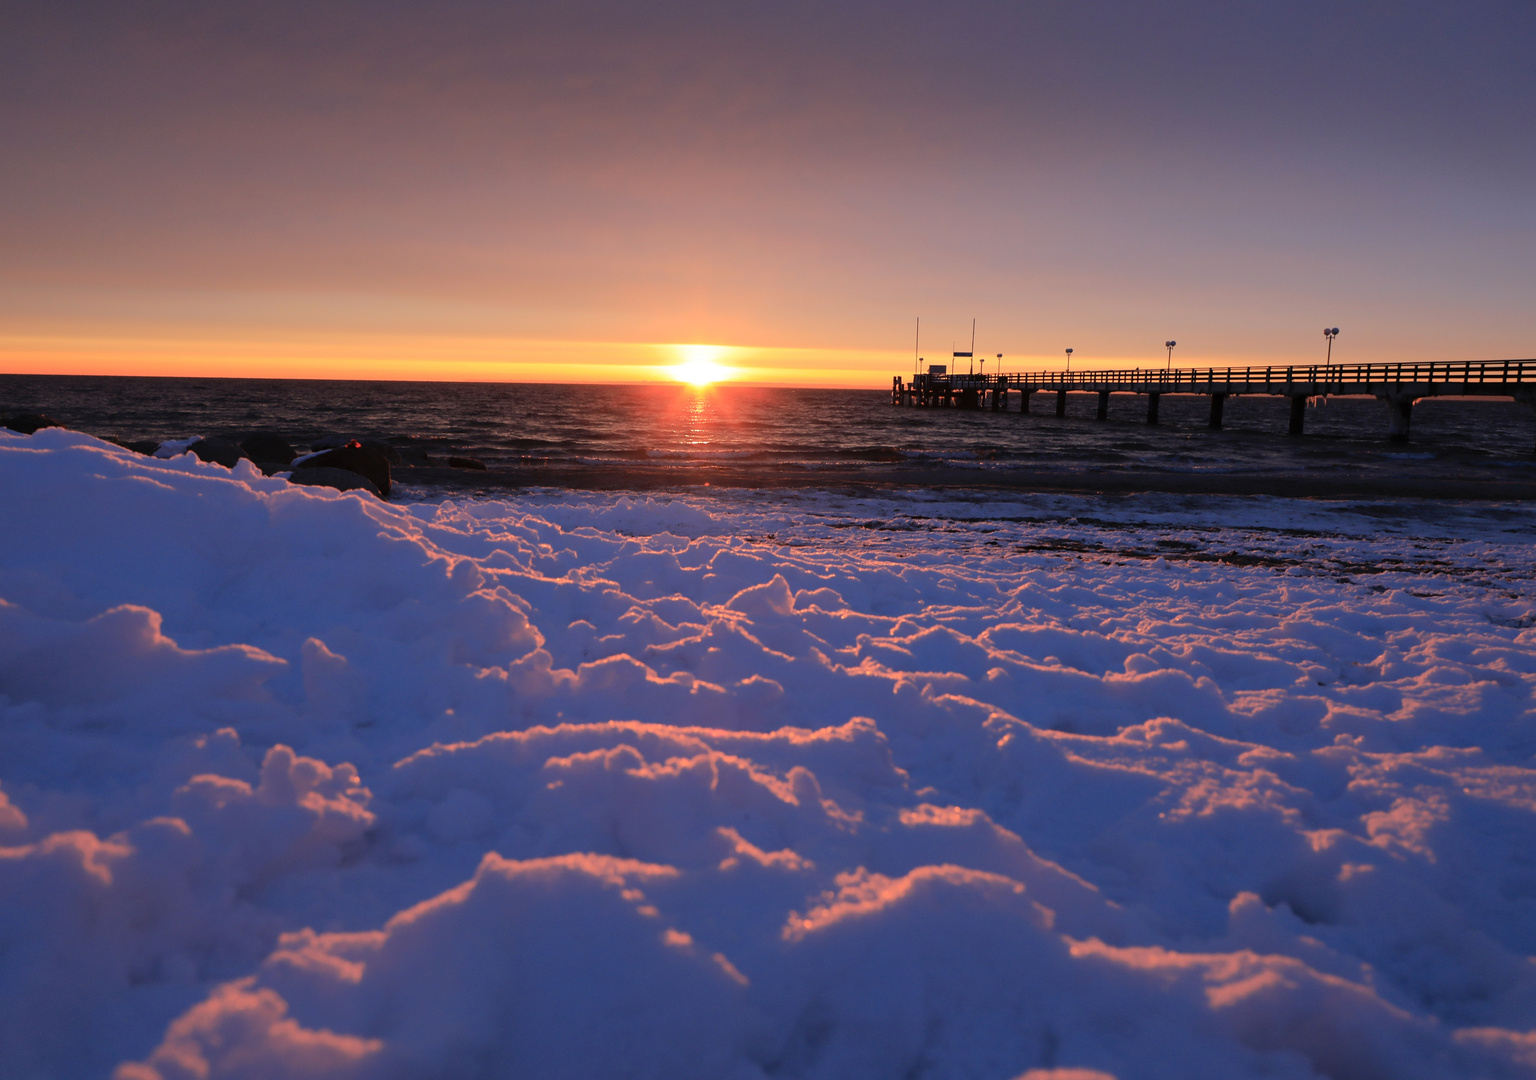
x=1398 y=386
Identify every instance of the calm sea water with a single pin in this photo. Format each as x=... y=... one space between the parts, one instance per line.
x=788 y=433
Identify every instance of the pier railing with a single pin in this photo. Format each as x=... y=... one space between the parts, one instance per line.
x=1433 y=373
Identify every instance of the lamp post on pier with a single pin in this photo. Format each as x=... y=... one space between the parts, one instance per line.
x=1069 y=361
x=1169 y=346
x=1328 y=359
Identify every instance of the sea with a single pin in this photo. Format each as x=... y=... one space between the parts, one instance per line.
x=664 y=435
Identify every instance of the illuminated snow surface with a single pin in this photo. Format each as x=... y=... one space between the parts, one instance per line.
x=302 y=784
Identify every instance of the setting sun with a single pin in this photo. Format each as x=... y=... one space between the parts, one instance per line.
x=698 y=365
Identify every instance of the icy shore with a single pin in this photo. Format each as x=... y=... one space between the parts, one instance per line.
x=302 y=784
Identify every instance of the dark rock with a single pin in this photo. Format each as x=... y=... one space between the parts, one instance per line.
x=337 y=442
x=146 y=447
x=265 y=446
x=225 y=452
x=28 y=422
x=465 y=463
x=340 y=479
x=268 y=468
x=391 y=455
x=357 y=458
x=415 y=455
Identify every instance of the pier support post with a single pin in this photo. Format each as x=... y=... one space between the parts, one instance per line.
x=1024 y=395
x=1399 y=413
x=1061 y=403
x=1218 y=403
x=1103 y=404
x=1152 y=407
x=1298 y=414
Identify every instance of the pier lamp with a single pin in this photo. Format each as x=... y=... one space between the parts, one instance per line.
x=1069 y=361
x=1169 y=346
x=1330 y=335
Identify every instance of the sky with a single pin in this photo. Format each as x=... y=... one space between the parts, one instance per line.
x=581 y=191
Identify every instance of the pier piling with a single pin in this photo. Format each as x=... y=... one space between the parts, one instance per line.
x=1103 y=405
x=1218 y=403
x=1152 y=401
x=1061 y=403
x=1399 y=413
x=1298 y=413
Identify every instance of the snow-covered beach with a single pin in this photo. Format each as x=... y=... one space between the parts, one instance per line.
x=301 y=783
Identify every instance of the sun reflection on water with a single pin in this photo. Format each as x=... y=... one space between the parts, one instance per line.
x=698 y=417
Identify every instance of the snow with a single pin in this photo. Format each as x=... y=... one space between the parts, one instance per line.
x=171 y=448
x=301 y=783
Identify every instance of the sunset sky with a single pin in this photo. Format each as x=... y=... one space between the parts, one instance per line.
x=574 y=191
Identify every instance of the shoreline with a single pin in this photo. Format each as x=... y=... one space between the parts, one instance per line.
x=1120 y=482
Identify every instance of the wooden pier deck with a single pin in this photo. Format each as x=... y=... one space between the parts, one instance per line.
x=1397 y=385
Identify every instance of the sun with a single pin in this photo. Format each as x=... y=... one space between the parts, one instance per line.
x=698 y=365
x=698 y=372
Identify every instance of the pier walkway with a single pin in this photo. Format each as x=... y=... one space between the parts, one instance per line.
x=1397 y=385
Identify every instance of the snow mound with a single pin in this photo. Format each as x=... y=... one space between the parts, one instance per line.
x=298 y=783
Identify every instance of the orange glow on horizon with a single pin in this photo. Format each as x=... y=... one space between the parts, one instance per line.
x=257 y=354
x=432 y=358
